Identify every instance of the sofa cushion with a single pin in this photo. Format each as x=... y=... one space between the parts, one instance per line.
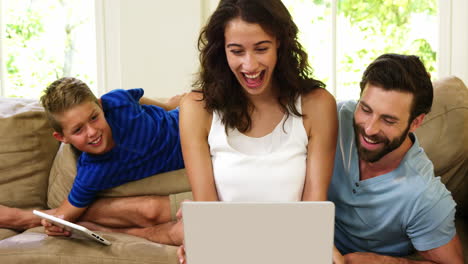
x=444 y=137
x=26 y=153
x=4 y=233
x=63 y=173
x=33 y=246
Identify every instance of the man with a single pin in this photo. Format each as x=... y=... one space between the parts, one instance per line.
x=387 y=200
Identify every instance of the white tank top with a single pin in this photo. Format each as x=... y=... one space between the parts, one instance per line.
x=271 y=168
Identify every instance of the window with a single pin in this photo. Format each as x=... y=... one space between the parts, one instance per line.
x=43 y=40
x=343 y=36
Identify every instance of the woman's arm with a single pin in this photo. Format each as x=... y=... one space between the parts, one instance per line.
x=194 y=124
x=321 y=124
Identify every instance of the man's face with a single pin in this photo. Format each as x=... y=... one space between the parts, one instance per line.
x=381 y=122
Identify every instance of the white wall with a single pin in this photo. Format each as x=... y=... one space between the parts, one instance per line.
x=149 y=44
x=152 y=44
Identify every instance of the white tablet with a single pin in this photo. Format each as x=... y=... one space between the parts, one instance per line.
x=74 y=228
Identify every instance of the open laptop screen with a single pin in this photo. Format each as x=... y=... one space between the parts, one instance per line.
x=270 y=233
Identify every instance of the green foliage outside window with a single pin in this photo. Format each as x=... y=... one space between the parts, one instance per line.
x=365 y=30
x=40 y=45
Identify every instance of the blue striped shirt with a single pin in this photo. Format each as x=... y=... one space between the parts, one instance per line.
x=146 y=143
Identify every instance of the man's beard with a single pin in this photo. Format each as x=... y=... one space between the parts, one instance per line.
x=376 y=155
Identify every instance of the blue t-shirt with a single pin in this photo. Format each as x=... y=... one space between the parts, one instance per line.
x=390 y=214
x=146 y=141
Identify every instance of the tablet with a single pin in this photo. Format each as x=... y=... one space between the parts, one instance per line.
x=74 y=228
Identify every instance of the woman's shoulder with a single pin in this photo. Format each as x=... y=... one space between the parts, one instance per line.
x=319 y=107
x=193 y=100
x=318 y=100
x=192 y=105
x=193 y=96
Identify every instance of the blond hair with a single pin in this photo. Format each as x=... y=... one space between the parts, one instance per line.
x=62 y=95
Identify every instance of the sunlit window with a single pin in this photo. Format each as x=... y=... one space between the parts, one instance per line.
x=43 y=40
x=363 y=31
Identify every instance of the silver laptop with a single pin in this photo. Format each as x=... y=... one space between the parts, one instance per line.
x=257 y=233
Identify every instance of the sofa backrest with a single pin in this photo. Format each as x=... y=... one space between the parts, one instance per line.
x=27 y=149
x=63 y=174
x=444 y=137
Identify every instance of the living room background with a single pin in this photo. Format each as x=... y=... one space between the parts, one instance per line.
x=152 y=44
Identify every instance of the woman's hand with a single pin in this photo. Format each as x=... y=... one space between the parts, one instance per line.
x=181 y=254
x=174 y=101
x=181 y=249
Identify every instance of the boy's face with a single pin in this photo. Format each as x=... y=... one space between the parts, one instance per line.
x=85 y=127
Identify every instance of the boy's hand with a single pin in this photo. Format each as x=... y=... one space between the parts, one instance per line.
x=53 y=230
x=169 y=104
x=66 y=211
x=174 y=101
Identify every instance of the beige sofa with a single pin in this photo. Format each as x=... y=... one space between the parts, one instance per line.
x=36 y=172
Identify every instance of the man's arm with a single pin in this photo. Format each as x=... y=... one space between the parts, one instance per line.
x=448 y=253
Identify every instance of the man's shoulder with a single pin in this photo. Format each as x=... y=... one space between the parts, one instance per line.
x=346 y=106
x=422 y=182
x=417 y=163
x=345 y=110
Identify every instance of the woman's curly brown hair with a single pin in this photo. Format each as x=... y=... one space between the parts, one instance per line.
x=219 y=86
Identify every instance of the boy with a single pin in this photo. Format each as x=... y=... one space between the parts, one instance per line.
x=120 y=139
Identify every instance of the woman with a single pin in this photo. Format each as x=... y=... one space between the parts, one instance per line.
x=258 y=128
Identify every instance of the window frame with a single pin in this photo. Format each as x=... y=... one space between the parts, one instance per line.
x=453 y=39
x=2 y=64
x=108 y=45
x=451 y=56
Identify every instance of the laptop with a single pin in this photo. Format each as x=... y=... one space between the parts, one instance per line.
x=257 y=233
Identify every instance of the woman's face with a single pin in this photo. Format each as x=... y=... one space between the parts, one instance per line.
x=251 y=55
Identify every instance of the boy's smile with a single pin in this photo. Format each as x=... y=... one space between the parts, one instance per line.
x=85 y=127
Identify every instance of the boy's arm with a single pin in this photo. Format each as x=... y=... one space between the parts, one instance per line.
x=170 y=104
x=67 y=212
